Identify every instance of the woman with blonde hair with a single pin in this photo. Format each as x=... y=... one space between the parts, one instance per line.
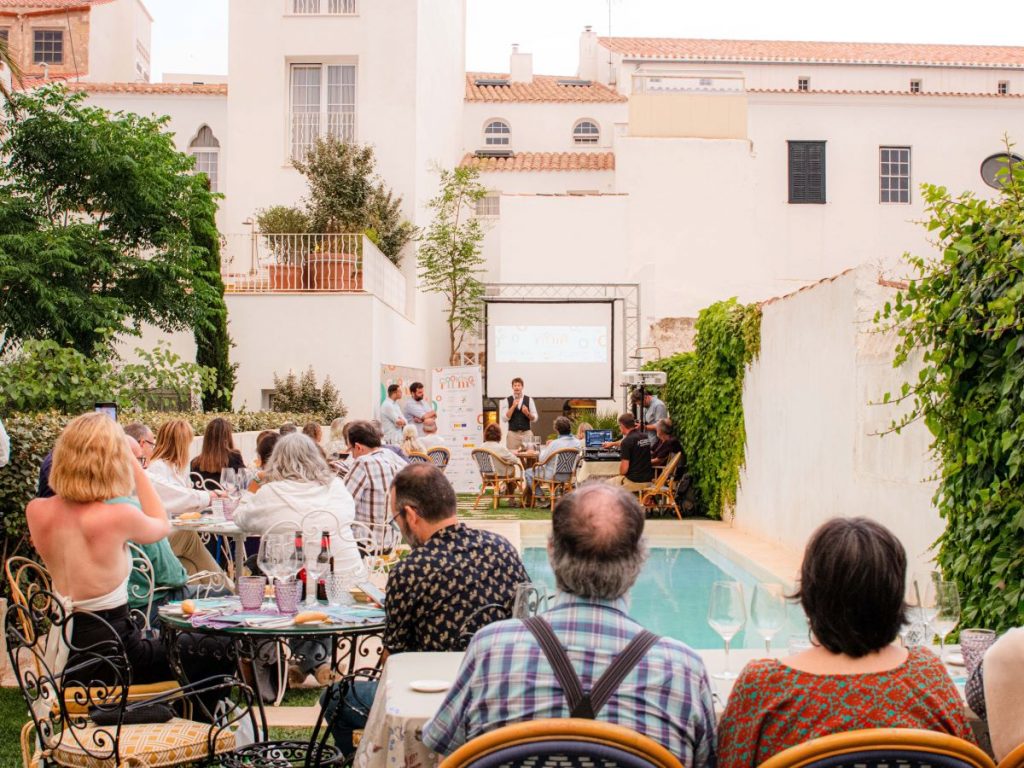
x=410 y=440
x=218 y=451
x=336 y=444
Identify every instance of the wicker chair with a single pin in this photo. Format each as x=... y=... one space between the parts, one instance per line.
x=497 y=476
x=662 y=493
x=1013 y=760
x=561 y=466
x=440 y=456
x=882 y=748
x=561 y=743
x=415 y=457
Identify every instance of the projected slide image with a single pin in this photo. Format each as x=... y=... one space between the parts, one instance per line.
x=550 y=344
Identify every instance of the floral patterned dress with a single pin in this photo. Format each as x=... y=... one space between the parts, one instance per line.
x=773 y=707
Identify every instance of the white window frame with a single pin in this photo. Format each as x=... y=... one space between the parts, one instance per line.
x=586 y=138
x=207 y=155
x=322 y=7
x=886 y=173
x=337 y=108
x=500 y=139
x=489 y=206
x=803 y=84
x=916 y=85
x=1003 y=88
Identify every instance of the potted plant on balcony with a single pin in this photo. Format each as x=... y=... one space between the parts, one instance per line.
x=285 y=228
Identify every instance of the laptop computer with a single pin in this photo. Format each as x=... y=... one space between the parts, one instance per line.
x=593 y=440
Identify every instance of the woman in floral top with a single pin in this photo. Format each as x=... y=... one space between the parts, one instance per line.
x=851 y=588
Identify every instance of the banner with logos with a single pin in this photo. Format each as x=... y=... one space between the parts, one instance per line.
x=457 y=393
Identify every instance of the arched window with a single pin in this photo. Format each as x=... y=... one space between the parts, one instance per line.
x=206 y=150
x=585 y=132
x=497 y=134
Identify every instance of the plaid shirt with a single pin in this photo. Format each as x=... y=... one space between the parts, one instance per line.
x=505 y=678
x=369 y=482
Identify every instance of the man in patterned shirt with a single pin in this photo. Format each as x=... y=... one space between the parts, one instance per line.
x=373 y=469
x=596 y=551
x=456 y=580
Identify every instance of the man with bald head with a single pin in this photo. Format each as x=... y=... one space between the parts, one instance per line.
x=608 y=666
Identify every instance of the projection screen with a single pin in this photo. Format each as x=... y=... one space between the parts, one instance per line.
x=560 y=349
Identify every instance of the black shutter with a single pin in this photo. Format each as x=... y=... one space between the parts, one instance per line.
x=806 y=171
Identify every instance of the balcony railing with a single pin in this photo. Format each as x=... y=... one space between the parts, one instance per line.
x=339 y=7
x=318 y=263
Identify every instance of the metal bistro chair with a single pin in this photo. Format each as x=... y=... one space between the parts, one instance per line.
x=204 y=581
x=882 y=748
x=662 y=493
x=440 y=456
x=495 y=473
x=80 y=725
x=562 y=743
x=562 y=464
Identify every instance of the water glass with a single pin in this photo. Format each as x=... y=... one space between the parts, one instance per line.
x=942 y=609
x=768 y=612
x=727 y=613
x=337 y=586
x=227 y=479
x=250 y=591
x=286 y=595
x=973 y=644
x=530 y=600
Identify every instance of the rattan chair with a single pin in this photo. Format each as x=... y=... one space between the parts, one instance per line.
x=561 y=466
x=561 y=743
x=440 y=456
x=1013 y=760
x=662 y=493
x=882 y=748
x=497 y=476
x=415 y=457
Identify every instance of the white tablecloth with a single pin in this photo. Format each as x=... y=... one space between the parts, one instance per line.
x=597 y=469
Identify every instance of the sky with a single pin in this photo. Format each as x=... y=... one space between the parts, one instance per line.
x=191 y=35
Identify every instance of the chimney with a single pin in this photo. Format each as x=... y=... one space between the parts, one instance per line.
x=587 y=69
x=521 y=66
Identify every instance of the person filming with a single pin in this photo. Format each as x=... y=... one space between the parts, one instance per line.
x=520 y=413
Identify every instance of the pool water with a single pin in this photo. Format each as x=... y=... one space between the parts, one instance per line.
x=672 y=594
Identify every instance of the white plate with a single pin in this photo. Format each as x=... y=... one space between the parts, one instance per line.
x=430 y=686
x=955 y=659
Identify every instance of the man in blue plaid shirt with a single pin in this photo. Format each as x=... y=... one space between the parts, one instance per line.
x=596 y=551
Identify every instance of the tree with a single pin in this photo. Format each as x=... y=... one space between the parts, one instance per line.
x=295 y=394
x=347 y=195
x=449 y=256
x=95 y=223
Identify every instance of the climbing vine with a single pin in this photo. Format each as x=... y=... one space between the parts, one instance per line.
x=964 y=313
x=704 y=395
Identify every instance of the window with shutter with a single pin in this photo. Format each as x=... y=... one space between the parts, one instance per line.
x=806 y=171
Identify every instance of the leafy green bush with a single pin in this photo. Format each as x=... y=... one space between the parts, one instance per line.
x=704 y=395
x=294 y=393
x=597 y=420
x=965 y=312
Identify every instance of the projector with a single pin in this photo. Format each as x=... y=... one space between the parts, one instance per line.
x=644 y=378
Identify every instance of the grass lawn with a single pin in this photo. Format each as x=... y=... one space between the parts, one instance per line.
x=13 y=713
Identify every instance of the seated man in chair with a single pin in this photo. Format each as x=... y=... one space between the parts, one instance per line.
x=565 y=439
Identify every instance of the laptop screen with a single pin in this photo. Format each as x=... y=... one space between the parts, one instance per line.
x=595 y=437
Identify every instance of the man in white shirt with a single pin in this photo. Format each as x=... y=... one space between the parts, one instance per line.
x=519 y=414
x=419 y=412
x=654 y=411
x=565 y=439
x=391 y=419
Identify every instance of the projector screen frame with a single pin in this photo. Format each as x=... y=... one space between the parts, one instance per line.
x=611 y=341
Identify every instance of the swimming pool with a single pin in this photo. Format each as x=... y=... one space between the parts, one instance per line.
x=671 y=596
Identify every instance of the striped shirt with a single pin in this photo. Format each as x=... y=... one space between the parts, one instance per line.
x=505 y=678
x=369 y=482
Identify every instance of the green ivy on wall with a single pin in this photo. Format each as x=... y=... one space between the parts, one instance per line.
x=704 y=395
x=965 y=313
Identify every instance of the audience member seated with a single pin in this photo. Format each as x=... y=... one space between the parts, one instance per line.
x=168 y=471
x=581 y=431
x=288 y=428
x=852 y=585
x=315 y=432
x=994 y=692
x=492 y=442
x=337 y=445
x=410 y=440
x=565 y=439
x=445 y=589
x=596 y=551
x=218 y=451
x=265 y=442
x=666 y=446
x=373 y=469
x=635 y=470
x=81 y=534
x=142 y=435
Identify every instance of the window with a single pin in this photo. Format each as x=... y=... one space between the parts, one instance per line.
x=488 y=205
x=48 y=46
x=915 y=86
x=324 y=6
x=5 y=34
x=806 y=171
x=497 y=134
x=894 y=174
x=1003 y=88
x=318 y=111
x=995 y=167
x=206 y=150
x=586 y=132
x=803 y=83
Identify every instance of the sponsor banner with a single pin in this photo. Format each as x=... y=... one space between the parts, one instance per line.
x=457 y=395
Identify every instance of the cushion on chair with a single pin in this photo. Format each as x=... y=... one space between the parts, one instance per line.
x=172 y=743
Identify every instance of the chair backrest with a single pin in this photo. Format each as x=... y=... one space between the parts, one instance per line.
x=565 y=463
x=877 y=747
x=484 y=461
x=26 y=578
x=669 y=472
x=439 y=456
x=561 y=743
x=142 y=565
x=1013 y=760
x=415 y=457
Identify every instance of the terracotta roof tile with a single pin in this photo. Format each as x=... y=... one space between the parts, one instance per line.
x=808 y=287
x=205 y=89
x=543 y=161
x=50 y=4
x=851 y=92
x=1001 y=56
x=544 y=88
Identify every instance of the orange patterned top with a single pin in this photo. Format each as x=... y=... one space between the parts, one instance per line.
x=774 y=707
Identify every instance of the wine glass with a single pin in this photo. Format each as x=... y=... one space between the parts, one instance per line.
x=727 y=614
x=942 y=607
x=227 y=480
x=768 y=612
x=273 y=555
